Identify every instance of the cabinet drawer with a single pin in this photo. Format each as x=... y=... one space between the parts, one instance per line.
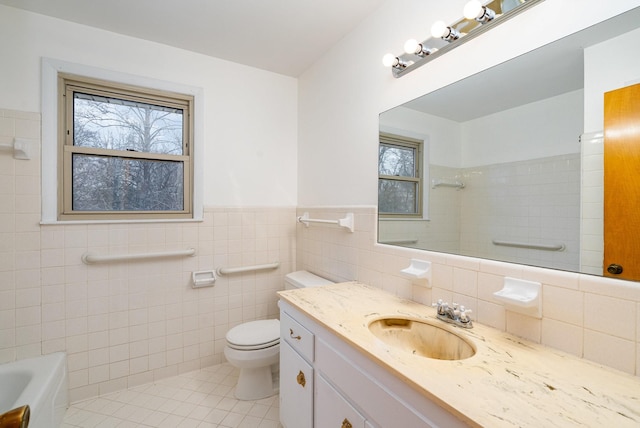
x=332 y=410
x=297 y=336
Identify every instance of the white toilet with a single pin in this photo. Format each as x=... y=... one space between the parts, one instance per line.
x=254 y=347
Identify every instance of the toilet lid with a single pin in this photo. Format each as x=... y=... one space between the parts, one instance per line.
x=254 y=334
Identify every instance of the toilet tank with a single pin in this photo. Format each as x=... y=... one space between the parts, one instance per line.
x=303 y=279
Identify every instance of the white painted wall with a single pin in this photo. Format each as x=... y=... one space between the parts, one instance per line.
x=444 y=135
x=609 y=65
x=540 y=129
x=343 y=93
x=250 y=127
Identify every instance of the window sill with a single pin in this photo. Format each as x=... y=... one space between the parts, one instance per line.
x=402 y=219
x=69 y=222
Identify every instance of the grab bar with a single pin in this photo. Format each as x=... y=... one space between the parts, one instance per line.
x=399 y=241
x=229 y=271
x=90 y=258
x=346 y=222
x=555 y=247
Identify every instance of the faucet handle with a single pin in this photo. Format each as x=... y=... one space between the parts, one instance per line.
x=440 y=306
x=463 y=314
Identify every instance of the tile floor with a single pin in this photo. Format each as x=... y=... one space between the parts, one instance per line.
x=202 y=398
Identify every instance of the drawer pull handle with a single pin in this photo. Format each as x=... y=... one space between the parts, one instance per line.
x=301 y=380
x=292 y=336
x=346 y=423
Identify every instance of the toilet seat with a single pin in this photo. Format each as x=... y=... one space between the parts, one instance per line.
x=254 y=335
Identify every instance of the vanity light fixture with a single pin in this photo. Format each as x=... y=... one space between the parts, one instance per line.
x=440 y=30
x=412 y=46
x=475 y=10
x=478 y=18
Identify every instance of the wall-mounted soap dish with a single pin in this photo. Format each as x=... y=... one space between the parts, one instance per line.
x=521 y=296
x=418 y=269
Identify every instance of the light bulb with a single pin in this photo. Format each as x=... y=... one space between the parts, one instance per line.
x=389 y=60
x=473 y=10
x=438 y=29
x=412 y=46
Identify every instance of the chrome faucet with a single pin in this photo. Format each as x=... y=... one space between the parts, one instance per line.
x=454 y=314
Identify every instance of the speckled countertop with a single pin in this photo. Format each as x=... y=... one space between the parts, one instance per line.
x=509 y=382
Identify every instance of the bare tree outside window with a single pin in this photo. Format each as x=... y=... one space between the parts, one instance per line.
x=103 y=183
x=126 y=152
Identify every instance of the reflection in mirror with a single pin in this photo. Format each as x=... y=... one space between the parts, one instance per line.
x=400 y=177
x=507 y=175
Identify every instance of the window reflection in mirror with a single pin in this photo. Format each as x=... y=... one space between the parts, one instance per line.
x=399 y=176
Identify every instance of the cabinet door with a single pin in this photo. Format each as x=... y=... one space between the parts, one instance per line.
x=333 y=410
x=296 y=389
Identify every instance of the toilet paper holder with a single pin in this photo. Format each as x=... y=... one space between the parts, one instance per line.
x=203 y=278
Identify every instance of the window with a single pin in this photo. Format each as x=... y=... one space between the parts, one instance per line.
x=399 y=176
x=125 y=152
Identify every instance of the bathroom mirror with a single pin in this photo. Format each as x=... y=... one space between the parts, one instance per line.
x=509 y=172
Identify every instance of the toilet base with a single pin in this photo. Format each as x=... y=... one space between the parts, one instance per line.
x=256 y=383
x=258 y=370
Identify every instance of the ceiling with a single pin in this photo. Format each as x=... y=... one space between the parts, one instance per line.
x=282 y=36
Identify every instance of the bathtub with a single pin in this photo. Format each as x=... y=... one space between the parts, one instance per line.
x=41 y=383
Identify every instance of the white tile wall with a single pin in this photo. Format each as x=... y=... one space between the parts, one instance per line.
x=592 y=201
x=531 y=202
x=20 y=298
x=589 y=316
x=441 y=226
x=124 y=324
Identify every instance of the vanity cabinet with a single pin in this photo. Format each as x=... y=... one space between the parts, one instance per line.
x=349 y=389
x=333 y=410
x=296 y=374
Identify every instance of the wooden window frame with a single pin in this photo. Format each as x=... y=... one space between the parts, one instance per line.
x=67 y=85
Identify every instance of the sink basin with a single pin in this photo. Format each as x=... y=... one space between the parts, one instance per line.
x=422 y=338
